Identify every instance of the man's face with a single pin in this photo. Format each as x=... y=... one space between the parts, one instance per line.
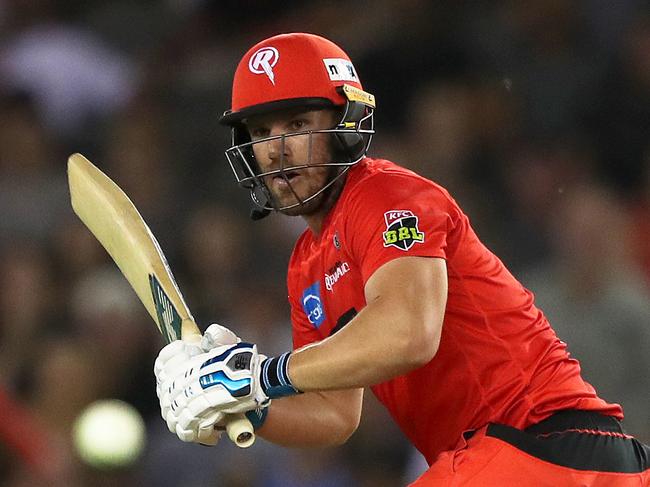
x=293 y=186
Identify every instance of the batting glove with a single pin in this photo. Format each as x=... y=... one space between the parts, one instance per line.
x=170 y=369
x=198 y=388
x=171 y=362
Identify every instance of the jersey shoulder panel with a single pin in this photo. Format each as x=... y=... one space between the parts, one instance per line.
x=389 y=211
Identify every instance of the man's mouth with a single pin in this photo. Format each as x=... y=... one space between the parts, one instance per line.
x=282 y=180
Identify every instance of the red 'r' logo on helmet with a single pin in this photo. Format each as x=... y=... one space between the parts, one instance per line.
x=263 y=60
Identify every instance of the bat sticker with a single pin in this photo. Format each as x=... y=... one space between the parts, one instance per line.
x=168 y=317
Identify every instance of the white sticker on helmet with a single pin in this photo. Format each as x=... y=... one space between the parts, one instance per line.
x=263 y=60
x=340 y=69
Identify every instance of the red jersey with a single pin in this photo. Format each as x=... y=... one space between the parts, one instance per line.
x=498 y=358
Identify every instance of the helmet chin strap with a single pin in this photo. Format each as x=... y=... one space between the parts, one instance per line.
x=259 y=213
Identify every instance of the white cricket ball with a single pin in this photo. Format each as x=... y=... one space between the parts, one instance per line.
x=109 y=434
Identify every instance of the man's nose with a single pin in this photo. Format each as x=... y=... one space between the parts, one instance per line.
x=277 y=148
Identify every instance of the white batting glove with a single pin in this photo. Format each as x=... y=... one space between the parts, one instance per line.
x=217 y=335
x=199 y=385
x=170 y=362
x=224 y=380
x=197 y=389
x=229 y=379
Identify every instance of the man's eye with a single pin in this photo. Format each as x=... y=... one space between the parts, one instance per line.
x=258 y=133
x=297 y=124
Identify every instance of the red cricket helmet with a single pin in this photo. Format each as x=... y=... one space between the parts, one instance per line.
x=290 y=70
x=297 y=70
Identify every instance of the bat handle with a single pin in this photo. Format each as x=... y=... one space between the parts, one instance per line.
x=240 y=430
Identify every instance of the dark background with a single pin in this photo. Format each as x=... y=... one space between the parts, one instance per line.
x=535 y=115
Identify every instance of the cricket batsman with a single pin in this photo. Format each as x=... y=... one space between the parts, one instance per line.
x=391 y=289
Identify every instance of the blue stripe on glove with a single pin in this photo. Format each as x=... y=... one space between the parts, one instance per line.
x=237 y=388
x=219 y=358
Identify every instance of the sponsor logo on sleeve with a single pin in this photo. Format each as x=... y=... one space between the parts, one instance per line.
x=312 y=304
x=402 y=229
x=340 y=69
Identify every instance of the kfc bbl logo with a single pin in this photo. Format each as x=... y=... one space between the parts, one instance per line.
x=402 y=229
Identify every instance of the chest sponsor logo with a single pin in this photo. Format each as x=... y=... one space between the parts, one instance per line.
x=337 y=271
x=312 y=304
x=402 y=229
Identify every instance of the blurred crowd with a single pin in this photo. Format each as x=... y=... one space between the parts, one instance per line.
x=535 y=115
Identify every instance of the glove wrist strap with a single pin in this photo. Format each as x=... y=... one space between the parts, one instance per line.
x=274 y=377
x=257 y=417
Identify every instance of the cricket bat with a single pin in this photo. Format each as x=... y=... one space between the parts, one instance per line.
x=111 y=216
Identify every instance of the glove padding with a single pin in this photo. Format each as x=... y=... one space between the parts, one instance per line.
x=198 y=386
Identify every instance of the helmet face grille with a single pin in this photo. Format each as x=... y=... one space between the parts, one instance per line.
x=349 y=142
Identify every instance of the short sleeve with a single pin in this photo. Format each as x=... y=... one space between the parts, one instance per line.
x=397 y=215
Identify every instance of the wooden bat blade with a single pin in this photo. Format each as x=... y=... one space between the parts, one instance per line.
x=116 y=223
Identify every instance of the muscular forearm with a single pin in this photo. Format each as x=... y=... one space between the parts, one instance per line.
x=313 y=419
x=396 y=332
x=358 y=356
